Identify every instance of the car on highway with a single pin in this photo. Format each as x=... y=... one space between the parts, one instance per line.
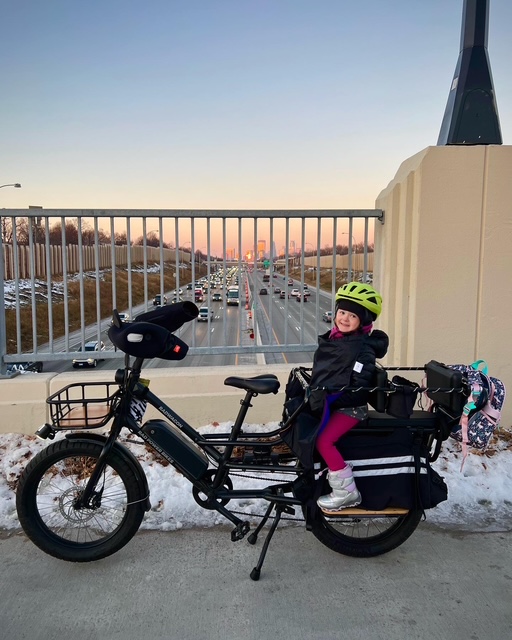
x=24 y=367
x=124 y=317
x=204 y=314
x=217 y=297
x=277 y=289
x=263 y=292
x=301 y=296
x=327 y=316
x=157 y=300
x=94 y=347
x=282 y=294
x=294 y=293
x=290 y=282
x=306 y=292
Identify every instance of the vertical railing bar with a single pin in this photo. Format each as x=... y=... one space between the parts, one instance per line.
x=254 y=297
x=317 y=274
x=239 y=276
x=208 y=280
x=271 y=279
x=177 y=257
x=65 y=267
x=31 y=254
x=3 y=326
x=193 y=260
x=114 y=265
x=252 y=294
x=16 y=285
x=301 y=310
x=129 y=243
x=224 y=267
x=162 y=272
x=49 y=282
x=129 y=274
x=145 y=261
x=97 y=273
x=82 y=283
x=350 y=251
x=286 y=276
x=365 y=255
x=334 y=258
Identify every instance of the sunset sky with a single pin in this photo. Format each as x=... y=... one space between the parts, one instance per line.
x=226 y=104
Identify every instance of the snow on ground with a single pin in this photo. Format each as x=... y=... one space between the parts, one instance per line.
x=480 y=496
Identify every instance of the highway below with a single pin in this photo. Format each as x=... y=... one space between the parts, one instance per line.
x=267 y=320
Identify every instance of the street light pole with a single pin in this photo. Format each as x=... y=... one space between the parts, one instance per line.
x=16 y=185
x=345 y=233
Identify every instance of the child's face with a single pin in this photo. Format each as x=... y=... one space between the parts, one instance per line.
x=346 y=321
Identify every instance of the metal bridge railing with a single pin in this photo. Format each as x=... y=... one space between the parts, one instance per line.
x=65 y=270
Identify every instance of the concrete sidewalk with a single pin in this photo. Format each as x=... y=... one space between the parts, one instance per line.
x=195 y=584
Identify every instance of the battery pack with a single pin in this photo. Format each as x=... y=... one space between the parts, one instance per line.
x=184 y=454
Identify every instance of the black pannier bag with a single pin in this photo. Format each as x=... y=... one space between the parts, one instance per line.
x=300 y=432
x=393 y=470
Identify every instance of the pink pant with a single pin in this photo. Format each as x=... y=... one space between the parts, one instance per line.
x=338 y=425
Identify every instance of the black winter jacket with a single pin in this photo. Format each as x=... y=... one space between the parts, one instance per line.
x=349 y=361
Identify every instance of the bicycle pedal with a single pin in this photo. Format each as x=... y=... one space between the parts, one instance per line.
x=240 y=531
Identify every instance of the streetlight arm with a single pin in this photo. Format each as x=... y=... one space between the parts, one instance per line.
x=16 y=185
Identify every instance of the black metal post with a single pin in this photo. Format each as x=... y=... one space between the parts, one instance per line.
x=471 y=115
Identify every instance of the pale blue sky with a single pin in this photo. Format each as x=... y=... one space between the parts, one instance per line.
x=226 y=103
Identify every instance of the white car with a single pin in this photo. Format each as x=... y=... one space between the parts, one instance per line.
x=204 y=314
x=89 y=360
x=294 y=293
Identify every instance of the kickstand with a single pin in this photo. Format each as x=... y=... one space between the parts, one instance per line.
x=254 y=535
x=255 y=573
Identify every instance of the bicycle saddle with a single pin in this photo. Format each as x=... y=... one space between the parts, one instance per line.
x=265 y=383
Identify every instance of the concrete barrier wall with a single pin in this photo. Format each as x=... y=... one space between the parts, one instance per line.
x=443 y=259
x=198 y=395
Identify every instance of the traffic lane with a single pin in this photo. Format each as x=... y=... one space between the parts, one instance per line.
x=289 y=325
x=222 y=330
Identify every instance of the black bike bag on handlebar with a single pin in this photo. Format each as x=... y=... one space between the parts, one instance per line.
x=170 y=316
x=147 y=340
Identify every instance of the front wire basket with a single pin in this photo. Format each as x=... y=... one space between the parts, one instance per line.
x=87 y=405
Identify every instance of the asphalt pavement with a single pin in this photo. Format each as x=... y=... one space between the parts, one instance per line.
x=195 y=584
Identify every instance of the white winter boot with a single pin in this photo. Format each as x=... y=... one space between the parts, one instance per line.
x=344 y=491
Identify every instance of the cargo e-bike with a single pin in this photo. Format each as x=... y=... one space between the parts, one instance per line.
x=84 y=496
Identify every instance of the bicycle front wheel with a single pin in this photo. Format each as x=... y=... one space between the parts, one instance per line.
x=365 y=535
x=47 y=502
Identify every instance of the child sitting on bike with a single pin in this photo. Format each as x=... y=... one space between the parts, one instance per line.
x=345 y=357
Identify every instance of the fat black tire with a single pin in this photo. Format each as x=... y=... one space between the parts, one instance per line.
x=364 y=536
x=50 y=483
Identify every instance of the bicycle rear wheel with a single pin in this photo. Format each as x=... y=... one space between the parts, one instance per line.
x=363 y=535
x=47 y=495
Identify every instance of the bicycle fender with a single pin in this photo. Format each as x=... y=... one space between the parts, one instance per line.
x=125 y=453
